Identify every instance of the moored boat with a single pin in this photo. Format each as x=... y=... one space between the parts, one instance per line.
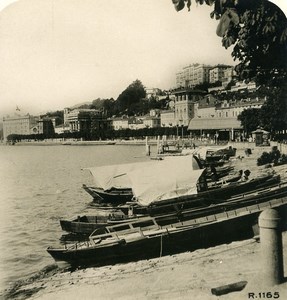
x=147 y=238
x=113 y=184
x=86 y=224
x=113 y=196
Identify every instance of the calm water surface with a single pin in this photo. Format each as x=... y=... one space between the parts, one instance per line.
x=39 y=185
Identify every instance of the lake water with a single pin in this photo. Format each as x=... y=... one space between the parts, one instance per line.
x=39 y=185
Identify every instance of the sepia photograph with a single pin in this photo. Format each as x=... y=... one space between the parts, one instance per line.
x=143 y=149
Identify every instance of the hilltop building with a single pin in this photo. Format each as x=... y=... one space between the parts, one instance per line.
x=192 y=75
x=220 y=73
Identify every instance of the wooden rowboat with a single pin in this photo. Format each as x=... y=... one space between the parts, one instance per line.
x=86 y=224
x=147 y=238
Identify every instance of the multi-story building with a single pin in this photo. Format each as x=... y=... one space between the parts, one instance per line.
x=179 y=79
x=152 y=92
x=229 y=74
x=26 y=125
x=232 y=109
x=239 y=86
x=220 y=119
x=200 y=74
x=184 y=104
x=20 y=124
x=151 y=121
x=135 y=123
x=205 y=107
x=81 y=119
x=167 y=118
x=120 y=123
x=192 y=75
x=217 y=73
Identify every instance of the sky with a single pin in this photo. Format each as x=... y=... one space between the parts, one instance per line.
x=58 y=53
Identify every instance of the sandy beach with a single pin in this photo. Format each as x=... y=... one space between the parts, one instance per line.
x=189 y=275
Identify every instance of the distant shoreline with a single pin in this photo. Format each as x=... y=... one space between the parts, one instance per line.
x=82 y=143
x=151 y=142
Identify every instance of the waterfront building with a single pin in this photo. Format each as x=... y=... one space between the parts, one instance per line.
x=151 y=121
x=27 y=124
x=62 y=128
x=219 y=119
x=120 y=123
x=20 y=124
x=167 y=118
x=205 y=107
x=135 y=123
x=185 y=100
x=80 y=119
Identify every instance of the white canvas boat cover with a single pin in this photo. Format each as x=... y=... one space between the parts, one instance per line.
x=115 y=176
x=173 y=177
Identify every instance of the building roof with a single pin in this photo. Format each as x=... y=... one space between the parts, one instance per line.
x=216 y=123
x=167 y=112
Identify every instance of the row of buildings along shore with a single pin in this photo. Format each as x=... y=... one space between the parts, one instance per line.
x=203 y=113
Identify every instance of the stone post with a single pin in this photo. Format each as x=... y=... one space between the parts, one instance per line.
x=147 y=147
x=271 y=247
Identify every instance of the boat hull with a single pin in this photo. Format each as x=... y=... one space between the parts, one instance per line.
x=114 y=197
x=87 y=224
x=156 y=246
x=176 y=238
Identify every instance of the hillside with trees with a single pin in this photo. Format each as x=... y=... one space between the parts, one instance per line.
x=132 y=101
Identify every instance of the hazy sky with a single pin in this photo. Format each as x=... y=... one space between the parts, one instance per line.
x=57 y=53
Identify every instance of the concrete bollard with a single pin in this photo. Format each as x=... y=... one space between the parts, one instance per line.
x=271 y=247
x=147 y=147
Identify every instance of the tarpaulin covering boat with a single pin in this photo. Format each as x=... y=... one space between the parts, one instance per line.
x=115 y=182
x=171 y=178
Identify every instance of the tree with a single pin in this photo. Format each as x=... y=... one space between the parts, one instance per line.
x=257 y=30
x=273 y=112
x=130 y=97
x=59 y=114
x=250 y=119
